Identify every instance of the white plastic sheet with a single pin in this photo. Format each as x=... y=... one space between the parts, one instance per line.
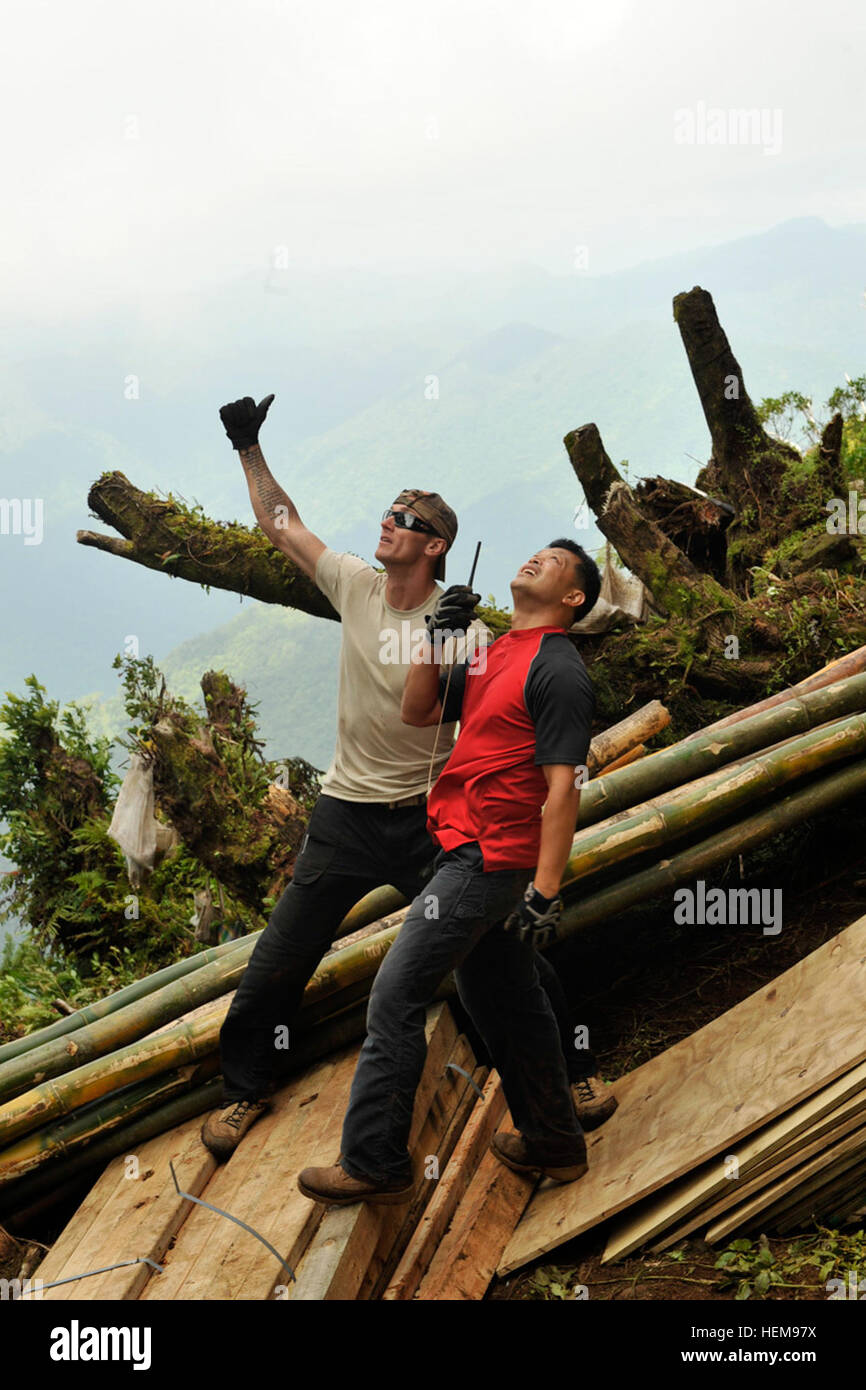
x=623 y=597
x=143 y=839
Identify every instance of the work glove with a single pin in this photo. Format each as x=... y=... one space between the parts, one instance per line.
x=535 y=918
x=243 y=420
x=454 y=612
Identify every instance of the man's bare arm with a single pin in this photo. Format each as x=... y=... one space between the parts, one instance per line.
x=277 y=514
x=274 y=510
x=557 y=827
x=420 y=705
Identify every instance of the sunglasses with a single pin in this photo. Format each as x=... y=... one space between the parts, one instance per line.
x=408 y=521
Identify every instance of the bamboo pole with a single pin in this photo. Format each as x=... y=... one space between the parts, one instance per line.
x=640 y=751
x=112 y=1002
x=725 y=844
x=186 y=1043
x=125 y=1134
x=133 y=1021
x=58 y=1175
x=378 y=903
x=60 y=1140
x=844 y=666
x=695 y=757
x=697 y=804
x=611 y=745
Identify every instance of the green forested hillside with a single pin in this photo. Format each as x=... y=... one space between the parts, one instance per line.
x=286 y=661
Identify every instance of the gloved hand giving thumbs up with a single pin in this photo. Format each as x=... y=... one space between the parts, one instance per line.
x=243 y=419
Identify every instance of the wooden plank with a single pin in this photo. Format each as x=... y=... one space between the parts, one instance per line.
x=337 y=1258
x=806 y=1146
x=844 y=1163
x=466 y=1259
x=706 y=1093
x=215 y=1258
x=202 y=1232
x=141 y=1215
x=398 y=1223
x=838 y=1199
x=269 y=1200
x=800 y=1177
x=83 y=1231
x=697 y=1191
x=472 y=1145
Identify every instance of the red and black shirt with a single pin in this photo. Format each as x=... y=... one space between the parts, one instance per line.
x=523 y=702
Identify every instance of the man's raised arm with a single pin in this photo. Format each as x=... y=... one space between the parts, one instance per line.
x=274 y=510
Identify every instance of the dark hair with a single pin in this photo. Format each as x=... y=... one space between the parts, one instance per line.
x=588 y=577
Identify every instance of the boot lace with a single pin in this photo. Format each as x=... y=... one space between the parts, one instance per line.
x=239 y=1112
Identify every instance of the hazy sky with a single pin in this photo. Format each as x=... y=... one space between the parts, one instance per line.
x=177 y=143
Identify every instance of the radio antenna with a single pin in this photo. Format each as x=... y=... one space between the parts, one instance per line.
x=447 y=685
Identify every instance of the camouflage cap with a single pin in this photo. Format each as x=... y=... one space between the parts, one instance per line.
x=436 y=512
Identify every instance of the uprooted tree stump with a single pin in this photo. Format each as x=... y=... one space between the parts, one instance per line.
x=211 y=782
x=752 y=591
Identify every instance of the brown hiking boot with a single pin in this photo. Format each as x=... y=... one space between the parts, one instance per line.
x=517 y=1153
x=593 y=1100
x=335 y=1188
x=224 y=1129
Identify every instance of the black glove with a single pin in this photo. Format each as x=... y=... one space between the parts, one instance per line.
x=454 y=612
x=535 y=918
x=243 y=420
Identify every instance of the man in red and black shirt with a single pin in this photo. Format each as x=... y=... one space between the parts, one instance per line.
x=525 y=706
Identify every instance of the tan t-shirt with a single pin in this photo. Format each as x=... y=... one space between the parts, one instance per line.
x=378 y=757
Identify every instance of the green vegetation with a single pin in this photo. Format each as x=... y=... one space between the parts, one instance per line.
x=90 y=933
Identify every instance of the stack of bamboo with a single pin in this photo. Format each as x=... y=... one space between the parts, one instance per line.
x=89 y=1086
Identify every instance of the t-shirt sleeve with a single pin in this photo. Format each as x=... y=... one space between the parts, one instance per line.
x=335 y=570
x=561 y=703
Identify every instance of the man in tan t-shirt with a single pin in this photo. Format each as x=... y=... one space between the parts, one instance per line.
x=369 y=825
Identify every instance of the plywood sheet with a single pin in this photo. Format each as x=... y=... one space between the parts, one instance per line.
x=741 y=1071
x=810 y=1176
x=811 y=1143
x=696 y=1192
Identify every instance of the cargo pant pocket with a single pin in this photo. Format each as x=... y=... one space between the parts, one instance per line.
x=315 y=858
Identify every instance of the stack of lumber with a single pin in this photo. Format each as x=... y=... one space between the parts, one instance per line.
x=756 y=1121
x=136 y=1214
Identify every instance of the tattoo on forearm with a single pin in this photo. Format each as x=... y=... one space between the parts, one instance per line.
x=273 y=498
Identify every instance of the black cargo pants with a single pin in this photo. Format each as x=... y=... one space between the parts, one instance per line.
x=350 y=848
